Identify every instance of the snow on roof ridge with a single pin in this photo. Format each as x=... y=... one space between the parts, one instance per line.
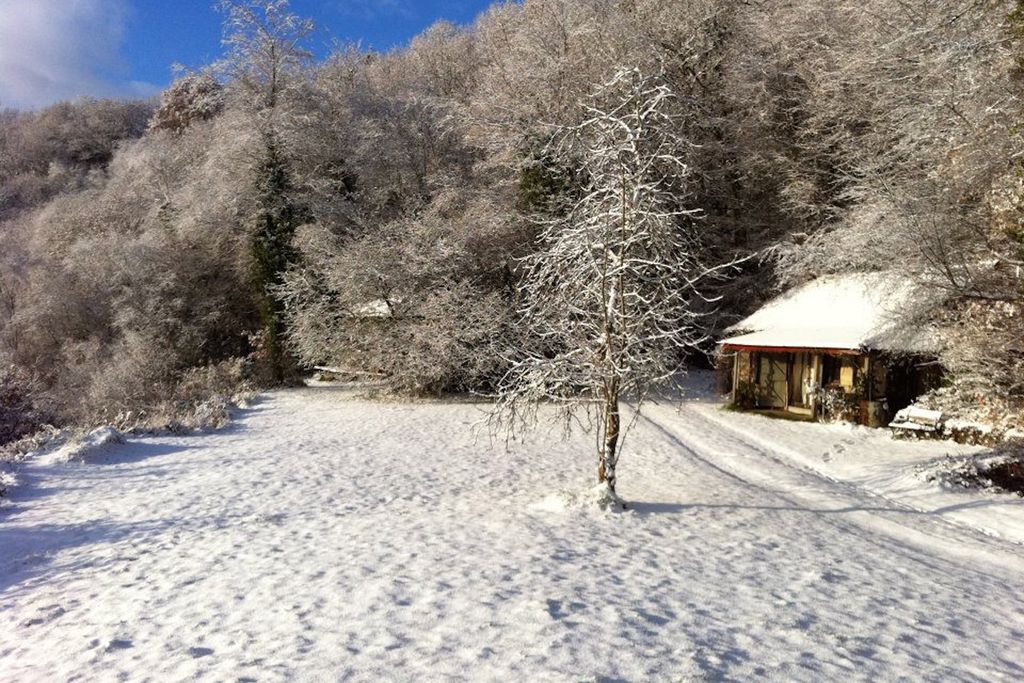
x=845 y=311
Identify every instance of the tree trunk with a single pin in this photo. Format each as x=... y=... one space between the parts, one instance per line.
x=609 y=450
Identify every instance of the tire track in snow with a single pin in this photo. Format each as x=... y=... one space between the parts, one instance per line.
x=867 y=514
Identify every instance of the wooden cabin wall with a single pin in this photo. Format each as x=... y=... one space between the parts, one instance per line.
x=744 y=379
x=862 y=377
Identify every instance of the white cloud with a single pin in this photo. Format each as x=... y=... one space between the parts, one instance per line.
x=52 y=50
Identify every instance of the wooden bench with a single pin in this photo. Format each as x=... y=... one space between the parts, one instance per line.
x=918 y=420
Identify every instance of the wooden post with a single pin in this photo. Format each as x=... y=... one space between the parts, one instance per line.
x=818 y=362
x=870 y=379
x=735 y=374
x=790 y=364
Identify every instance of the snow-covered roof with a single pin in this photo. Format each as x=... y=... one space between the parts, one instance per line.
x=376 y=308
x=857 y=311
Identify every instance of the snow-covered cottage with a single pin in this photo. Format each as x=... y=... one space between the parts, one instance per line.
x=841 y=346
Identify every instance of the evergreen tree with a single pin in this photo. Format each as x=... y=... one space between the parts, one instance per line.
x=273 y=227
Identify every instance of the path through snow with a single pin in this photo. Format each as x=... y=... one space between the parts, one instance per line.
x=324 y=537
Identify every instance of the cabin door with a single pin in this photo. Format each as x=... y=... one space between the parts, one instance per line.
x=773 y=379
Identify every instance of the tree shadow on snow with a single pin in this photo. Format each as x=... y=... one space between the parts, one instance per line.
x=38 y=481
x=131 y=453
x=643 y=508
x=35 y=553
x=662 y=508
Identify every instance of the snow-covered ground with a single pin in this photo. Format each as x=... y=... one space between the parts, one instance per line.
x=323 y=537
x=870 y=459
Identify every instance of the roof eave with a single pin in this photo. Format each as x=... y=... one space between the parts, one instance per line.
x=791 y=349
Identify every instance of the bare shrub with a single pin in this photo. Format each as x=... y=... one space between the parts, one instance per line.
x=19 y=416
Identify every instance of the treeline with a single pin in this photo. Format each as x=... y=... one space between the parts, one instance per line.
x=371 y=211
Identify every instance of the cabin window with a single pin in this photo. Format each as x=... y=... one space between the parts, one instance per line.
x=839 y=371
x=847 y=373
x=830 y=366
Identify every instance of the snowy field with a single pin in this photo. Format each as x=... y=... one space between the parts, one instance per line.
x=323 y=537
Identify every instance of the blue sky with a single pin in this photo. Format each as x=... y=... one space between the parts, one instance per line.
x=60 y=49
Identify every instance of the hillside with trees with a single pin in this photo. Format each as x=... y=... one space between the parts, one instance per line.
x=383 y=212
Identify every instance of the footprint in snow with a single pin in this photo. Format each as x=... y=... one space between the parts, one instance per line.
x=557 y=609
x=277 y=518
x=46 y=614
x=197 y=652
x=119 y=644
x=832 y=576
x=837 y=449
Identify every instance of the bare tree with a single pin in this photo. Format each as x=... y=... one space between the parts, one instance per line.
x=616 y=291
x=265 y=44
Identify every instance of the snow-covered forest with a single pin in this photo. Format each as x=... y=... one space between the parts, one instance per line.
x=379 y=211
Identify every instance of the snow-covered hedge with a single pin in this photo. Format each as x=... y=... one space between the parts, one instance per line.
x=1001 y=469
